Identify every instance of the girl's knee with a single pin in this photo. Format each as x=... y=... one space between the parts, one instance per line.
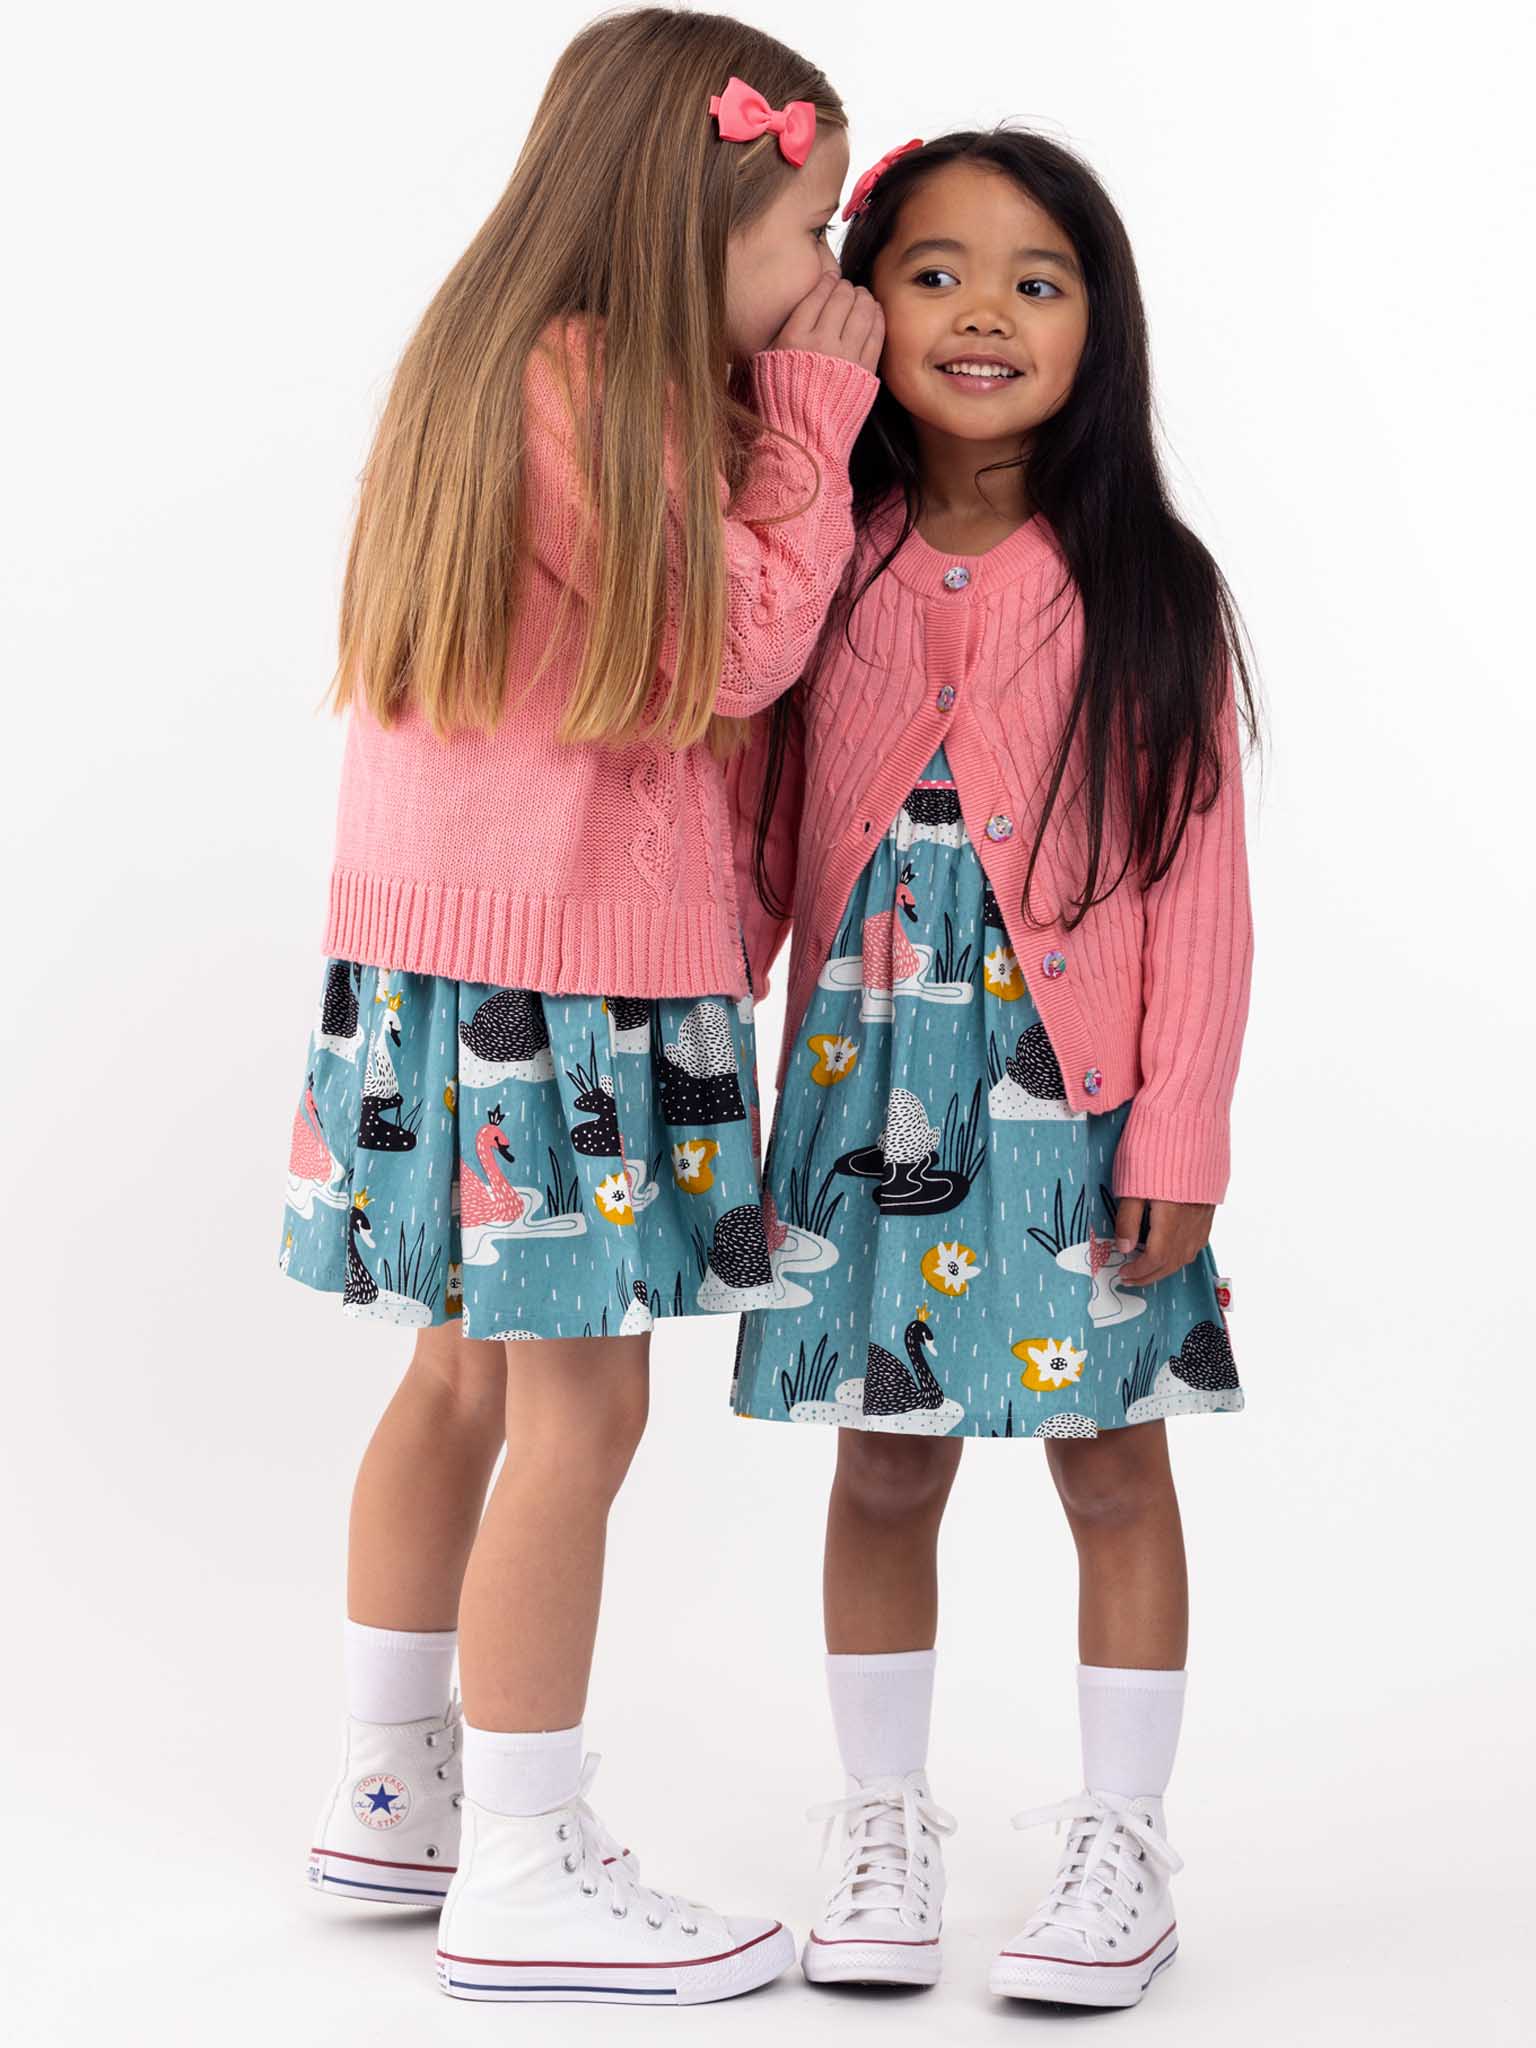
x=471 y=1370
x=579 y=1405
x=1113 y=1480
x=888 y=1477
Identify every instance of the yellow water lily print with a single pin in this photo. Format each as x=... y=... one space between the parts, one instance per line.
x=1049 y=1363
x=690 y=1164
x=614 y=1200
x=949 y=1267
x=1004 y=976
x=836 y=1057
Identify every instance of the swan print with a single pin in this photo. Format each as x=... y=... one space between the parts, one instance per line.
x=1109 y=1303
x=890 y=964
x=629 y=1024
x=698 y=1074
x=792 y=1249
x=738 y=1273
x=1200 y=1378
x=340 y=1027
x=931 y=816
x=363 y=1296
x=1027 y=1086
x=314 y=1174
x=378 y=1131
x=506 y=1039
x=519 y=1172
x=923 y=1141
x=492 y=1208
x=891 y=1398
x=918 y=1169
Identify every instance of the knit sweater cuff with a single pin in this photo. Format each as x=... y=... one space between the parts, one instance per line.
x=1173 y=1158
x=818 y=399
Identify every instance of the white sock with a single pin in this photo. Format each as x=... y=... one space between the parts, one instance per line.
x=881 y=1708
x=1130 y=1725
x=522 y=1774
x=393 y=1676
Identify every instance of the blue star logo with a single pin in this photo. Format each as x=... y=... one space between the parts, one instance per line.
x=380 y=1801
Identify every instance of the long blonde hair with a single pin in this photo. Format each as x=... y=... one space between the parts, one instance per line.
x=615 y=222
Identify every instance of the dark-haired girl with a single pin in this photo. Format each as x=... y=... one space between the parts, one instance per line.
x=1004 y=812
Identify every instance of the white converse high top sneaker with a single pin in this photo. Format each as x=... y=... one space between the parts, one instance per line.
x=389 y=1832
x=537 y=1911
x=1106 y=1927
x=882 y=1921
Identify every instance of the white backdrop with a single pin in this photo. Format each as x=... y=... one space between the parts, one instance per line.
x=221 y=225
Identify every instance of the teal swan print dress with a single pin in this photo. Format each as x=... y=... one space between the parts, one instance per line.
x=940 y=1224
x=537 y=1165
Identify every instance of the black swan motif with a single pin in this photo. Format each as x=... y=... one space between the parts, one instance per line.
x=697 y=1071
x=631 y=1020
x=1035 y=1067
x=888 y=1388
x=338 y=1006
x=739 y=1270
x=599 y=1139
x=507 y=1039
x=1205 y=1360
x=936 y=807
x=361 y=1288
x=904 y=1164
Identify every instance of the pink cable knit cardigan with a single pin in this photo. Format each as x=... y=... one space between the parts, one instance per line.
x=1146 y=999
x=513 y=859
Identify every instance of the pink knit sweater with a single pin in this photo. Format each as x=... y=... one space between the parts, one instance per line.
x=513 y=859
x=1146 y=999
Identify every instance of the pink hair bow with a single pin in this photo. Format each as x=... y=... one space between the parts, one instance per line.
x=874 y=174
x=744 y=114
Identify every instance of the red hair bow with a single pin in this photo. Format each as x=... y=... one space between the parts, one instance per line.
x=874 y=174
x=744 y=114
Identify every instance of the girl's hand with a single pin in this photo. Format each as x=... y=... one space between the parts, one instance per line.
x=1176 y=1233
x=836 y=318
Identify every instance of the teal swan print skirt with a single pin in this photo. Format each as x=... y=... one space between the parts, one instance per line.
x=939 y=1221
x=539 y=1166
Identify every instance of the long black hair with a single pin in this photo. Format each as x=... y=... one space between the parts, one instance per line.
x=1162 y=642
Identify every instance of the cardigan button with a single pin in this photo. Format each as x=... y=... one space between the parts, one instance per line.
x=956 y=578
x=1093 y=1080
x=1000 y=828
x=1054 y=966
x=946 y=698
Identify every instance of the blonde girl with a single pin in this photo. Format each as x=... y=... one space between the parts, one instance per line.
x=604 y=513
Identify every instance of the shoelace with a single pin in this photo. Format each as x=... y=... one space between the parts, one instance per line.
x=594 y=1856
x=453 y=1728
x=882 y=1851
x=1100 y=1876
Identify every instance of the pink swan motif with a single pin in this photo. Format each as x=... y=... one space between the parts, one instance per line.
x=309 y=1156
x=494 y=1199
x=889 y=955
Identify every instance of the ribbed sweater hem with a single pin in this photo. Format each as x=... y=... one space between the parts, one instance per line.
x=559 y=945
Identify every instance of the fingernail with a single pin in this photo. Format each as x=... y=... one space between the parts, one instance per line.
x=1125 y=1246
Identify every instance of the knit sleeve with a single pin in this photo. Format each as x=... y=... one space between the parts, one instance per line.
x=1196 y=965
x=764 y=928
x=781 y=570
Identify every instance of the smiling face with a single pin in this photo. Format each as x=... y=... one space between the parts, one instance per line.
x=772 y=263
x=985 y=309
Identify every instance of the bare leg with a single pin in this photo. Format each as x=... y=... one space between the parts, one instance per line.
x=575 y=1411
x=422 y=1484
x=880 y=1586
x=1133 y=1594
